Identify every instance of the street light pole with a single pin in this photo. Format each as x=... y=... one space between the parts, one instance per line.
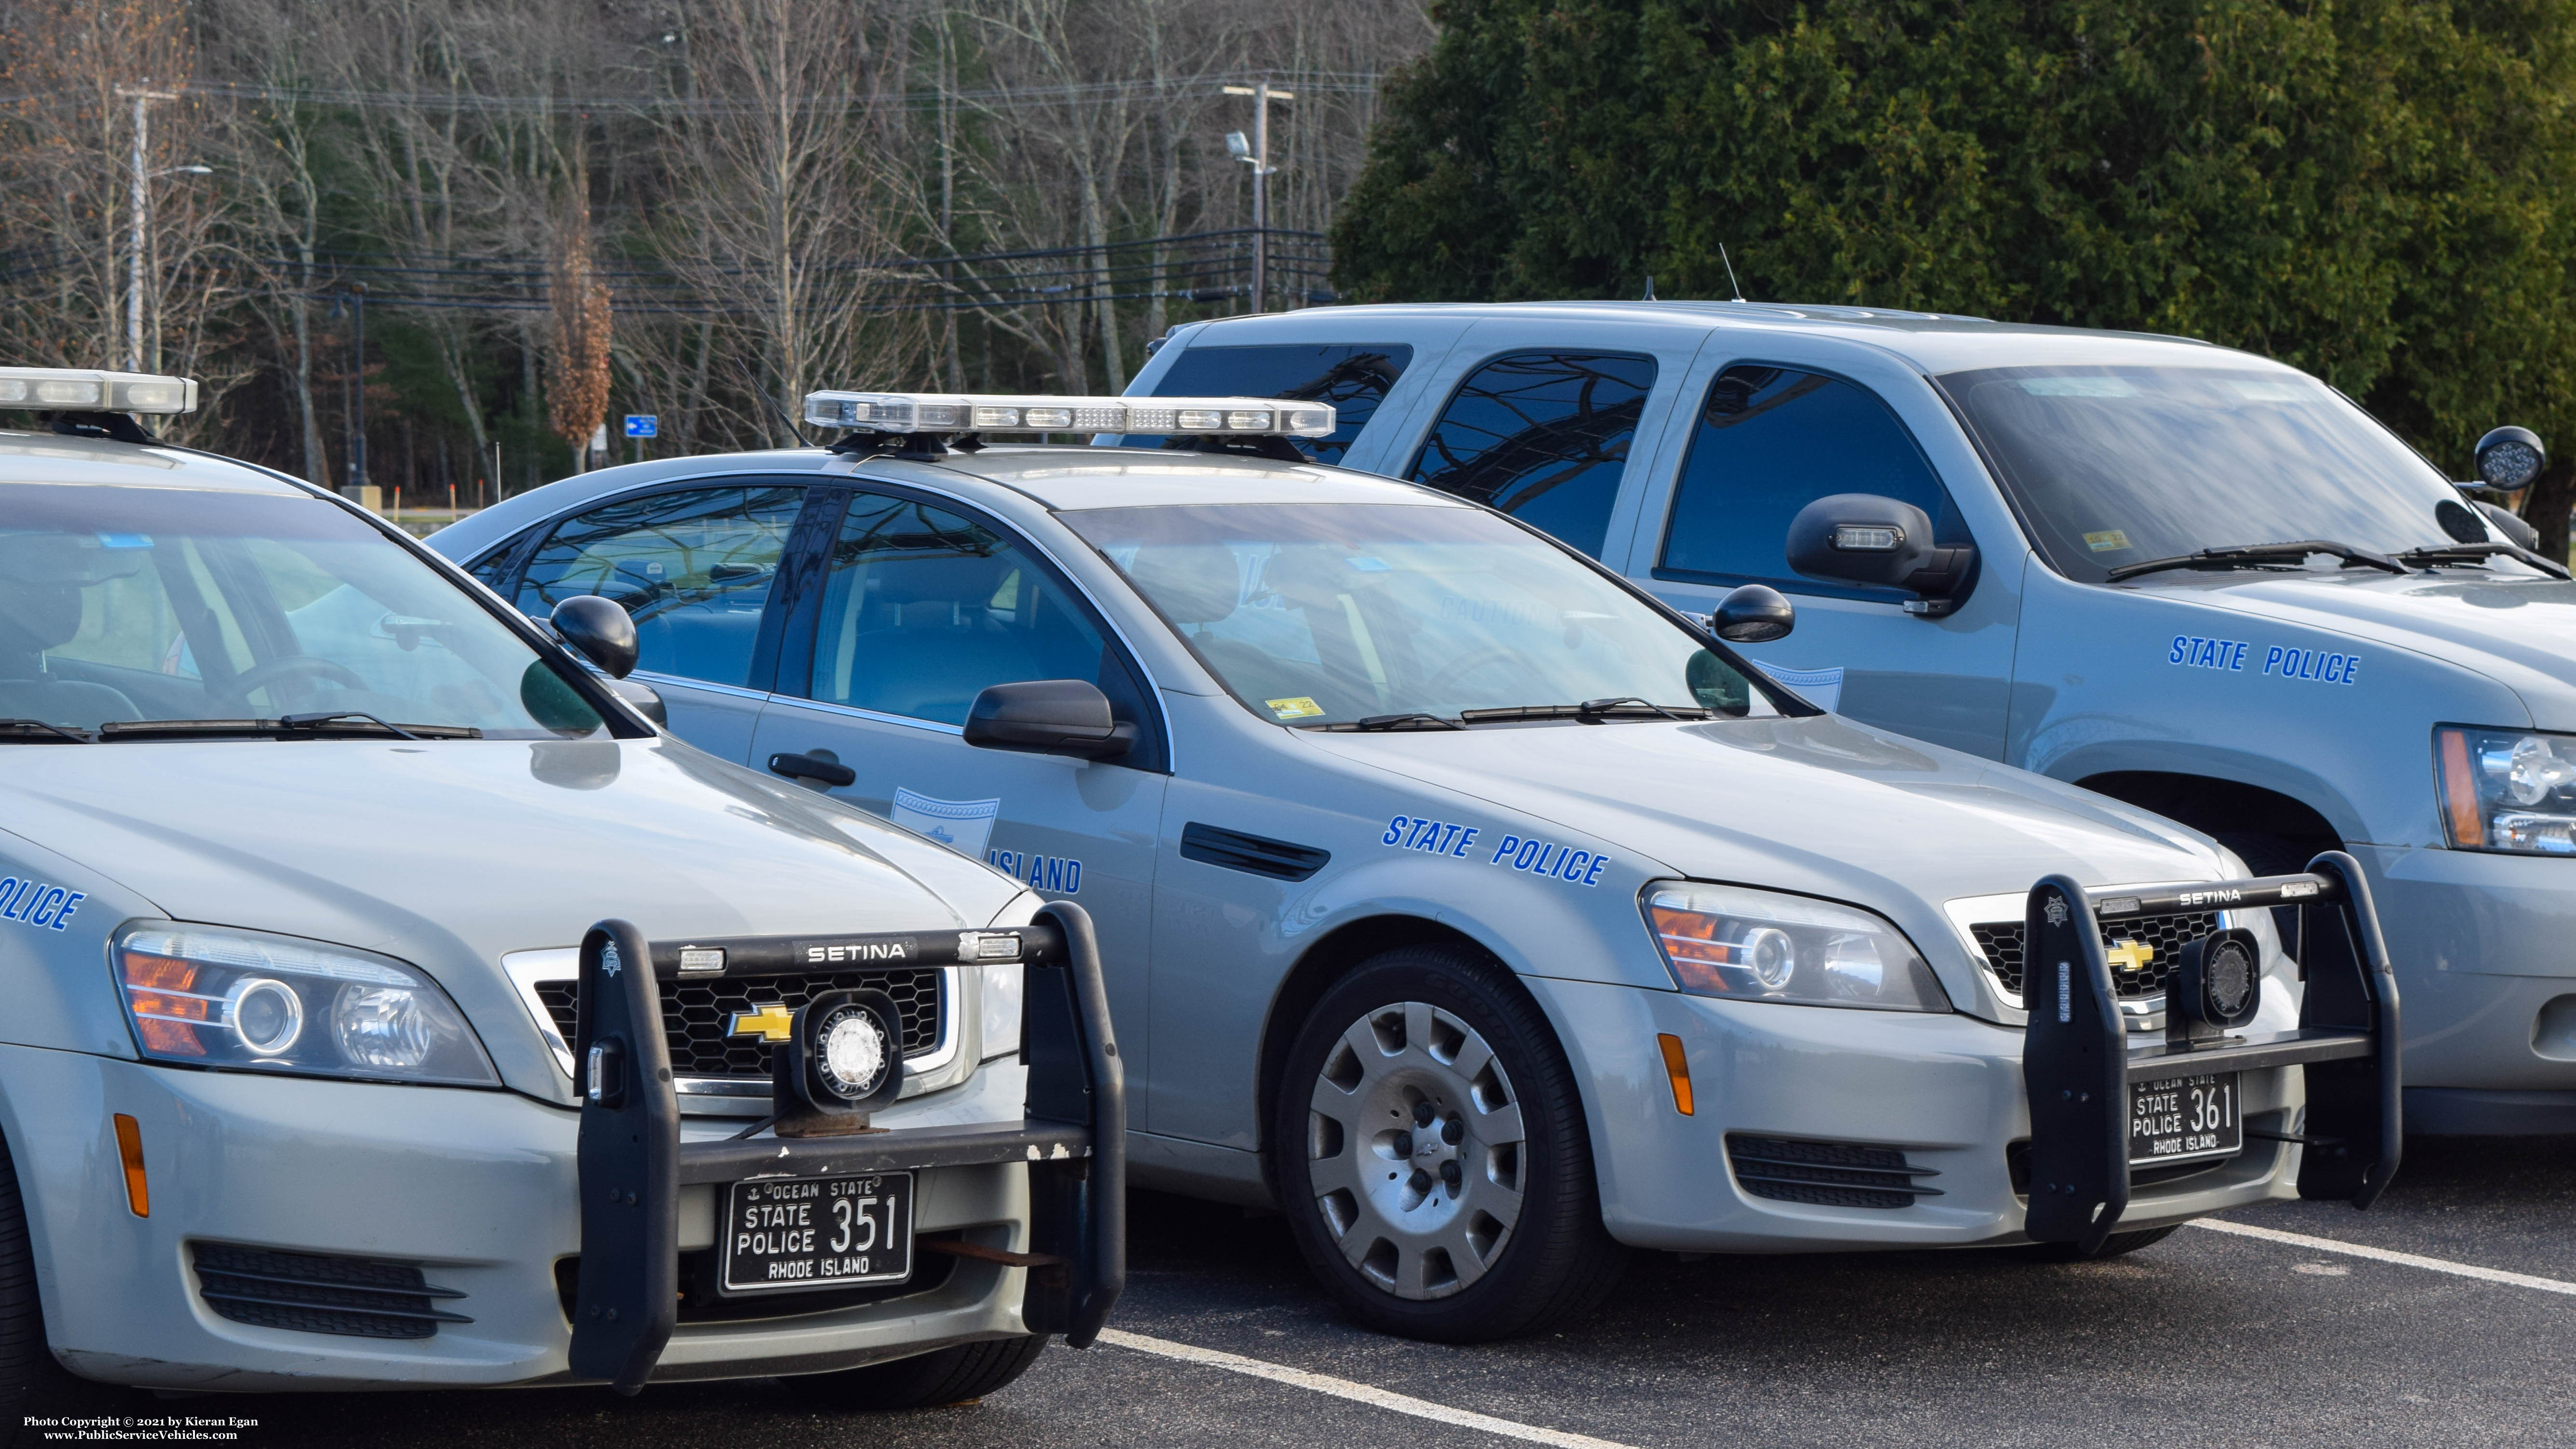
x=358 y=437
x=142 y=207
x=1259 y=158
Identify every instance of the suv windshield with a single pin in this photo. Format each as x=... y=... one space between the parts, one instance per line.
x=2119 y=465
x=126 y=604
x=1324 y=614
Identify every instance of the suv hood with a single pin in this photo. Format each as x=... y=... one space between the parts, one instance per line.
x=448 y=854
x=1818 y=805
x=2516 y=629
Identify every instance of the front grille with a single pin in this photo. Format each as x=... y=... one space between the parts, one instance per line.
x=321 y=1293
x=1828 y=1174
x=697 y=1014
x=2165 y=935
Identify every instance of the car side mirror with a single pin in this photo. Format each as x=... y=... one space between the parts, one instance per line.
x=1752 y=614
x=600 y=630
x=1862 y=538
x=2516 y=528
x=1048 y=717
x=2509 y=459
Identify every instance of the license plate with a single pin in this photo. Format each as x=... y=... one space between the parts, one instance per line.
x=2181 y=1118
x=818 y=1232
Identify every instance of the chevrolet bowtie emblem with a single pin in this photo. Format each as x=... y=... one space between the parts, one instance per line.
x=771 y=1023
x=2127 y=955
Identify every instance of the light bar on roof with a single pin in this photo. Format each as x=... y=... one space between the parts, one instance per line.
x=81 y=390
x=923 y=412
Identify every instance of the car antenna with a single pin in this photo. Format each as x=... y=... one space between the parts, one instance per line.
x=1730 y=275
x=1650 y=287
x=793 y=430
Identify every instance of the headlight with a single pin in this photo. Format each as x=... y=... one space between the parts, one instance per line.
x=218 y=998
x=2512 y=790
x=1758 y=946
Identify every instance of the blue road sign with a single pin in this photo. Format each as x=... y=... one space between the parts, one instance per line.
x=643 y=425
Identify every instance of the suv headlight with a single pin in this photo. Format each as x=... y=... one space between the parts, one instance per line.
x=212 y=997
x=1761 y=946
x=2510 y=790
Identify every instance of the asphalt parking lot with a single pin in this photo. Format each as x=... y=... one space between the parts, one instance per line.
x=2212 y=1337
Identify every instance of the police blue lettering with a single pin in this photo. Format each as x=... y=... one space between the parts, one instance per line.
x=1539 y=857
x=1510 y=844
x=2197 y=652
x=2312 y=664
x=34 y=903
x=1395 y=830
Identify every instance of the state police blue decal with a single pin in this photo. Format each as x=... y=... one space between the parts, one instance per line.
x=1440 y=837
x=2194 y=652
x=1560 y=862
x=34 y=903
x=2317 y=666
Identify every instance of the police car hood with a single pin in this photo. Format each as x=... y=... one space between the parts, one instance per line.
x=1818 y=805
x=450 y=853
x=2515 y=628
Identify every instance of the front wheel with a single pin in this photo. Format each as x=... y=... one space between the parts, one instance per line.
x=1432 y=1156
x=956 y=1375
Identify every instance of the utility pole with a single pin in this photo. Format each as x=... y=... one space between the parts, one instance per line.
x=1257 y=155
x=358 y=437
x=142 y=207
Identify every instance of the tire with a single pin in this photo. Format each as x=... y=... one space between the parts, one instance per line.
x=2116 y=1245
x=1421 y=1090
x=956 y=1375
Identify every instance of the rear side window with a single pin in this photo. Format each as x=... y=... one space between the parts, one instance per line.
x=694 y=568
x=1772 y=440
x=1543 y=436
x=1353 y=378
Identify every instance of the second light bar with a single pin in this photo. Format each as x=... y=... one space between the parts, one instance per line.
x=924 y=412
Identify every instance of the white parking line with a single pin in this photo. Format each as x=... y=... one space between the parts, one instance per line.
x=2383 y=1255
x=1356 y=1392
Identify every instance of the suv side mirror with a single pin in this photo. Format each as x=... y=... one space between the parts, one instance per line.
x=600 y=630
x=2509 y=459
x=1048 y=717
x=1862 y=538
x=1752 y=614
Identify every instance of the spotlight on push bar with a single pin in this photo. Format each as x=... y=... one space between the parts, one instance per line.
x=2217 y=983
x=843 y=1058
x=917 y=412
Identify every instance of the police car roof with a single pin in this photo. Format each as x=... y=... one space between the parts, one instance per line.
x=1935 y=342
x=1068 y=479
x=27 y=457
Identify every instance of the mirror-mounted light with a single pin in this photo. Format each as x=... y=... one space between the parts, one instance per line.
x=1862 y=538
x=908 y=412
x=80 y=389
x=2510 y=458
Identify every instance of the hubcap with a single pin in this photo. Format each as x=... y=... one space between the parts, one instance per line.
x=1414 y=1150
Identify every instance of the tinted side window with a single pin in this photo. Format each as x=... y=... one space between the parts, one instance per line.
x=694 y=568
x=1354 y=379
x=1542 y=436
x=1772 y=440
x=922 y=608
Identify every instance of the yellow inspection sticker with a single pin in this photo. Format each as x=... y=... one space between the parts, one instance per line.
x=2107 y=541
x=1298 y=708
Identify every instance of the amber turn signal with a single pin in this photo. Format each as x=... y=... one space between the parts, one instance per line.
x=1677 y=1068
x=129 y=1145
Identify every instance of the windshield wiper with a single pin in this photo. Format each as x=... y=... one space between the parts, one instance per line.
x=36 y=731
x=2249 y=554
x=1591 y=711
x=1410 y=719
x=2461 y=553
x=290 y=727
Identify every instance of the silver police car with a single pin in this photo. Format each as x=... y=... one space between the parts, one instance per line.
x=1484 y=915
x=323 y=875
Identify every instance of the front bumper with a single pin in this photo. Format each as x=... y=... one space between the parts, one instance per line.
x=1946 y=1089
x=477 y=1187
x=2485 y=950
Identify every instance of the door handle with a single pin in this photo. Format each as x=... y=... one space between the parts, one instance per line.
x=806 y=767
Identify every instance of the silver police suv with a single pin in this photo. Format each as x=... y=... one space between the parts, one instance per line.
x=2184 y=576
x=1484 y=914
x=391 y=1004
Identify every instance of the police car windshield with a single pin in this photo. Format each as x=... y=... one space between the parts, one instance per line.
x=1333 y=613
x=130 y=604
x=2119 y=465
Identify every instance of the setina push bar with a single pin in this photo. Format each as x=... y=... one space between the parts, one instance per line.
x=2078 y=1062
x=1072 y=1135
